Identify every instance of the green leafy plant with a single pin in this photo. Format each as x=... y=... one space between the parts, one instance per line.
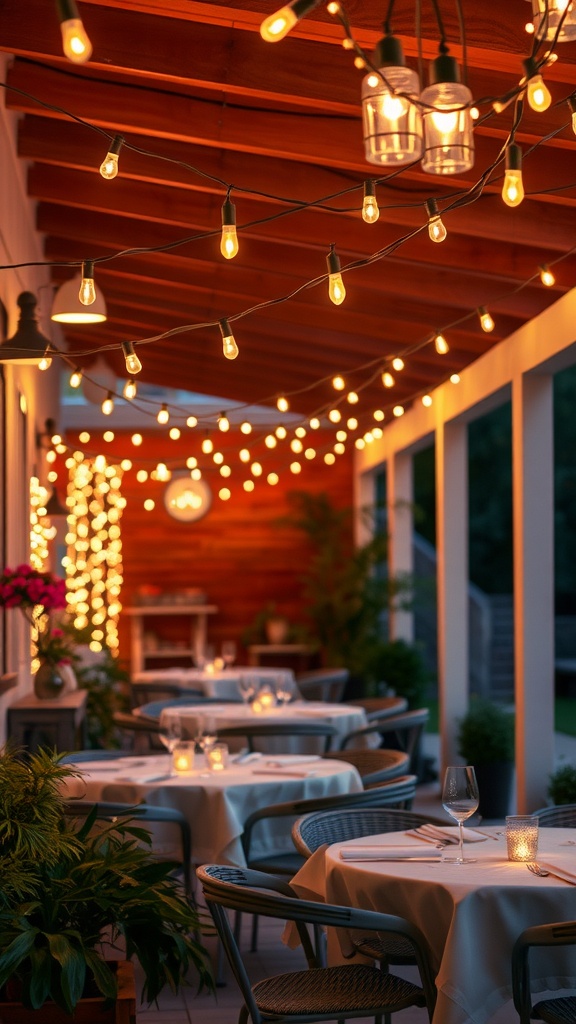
x=401 y=666
x=65 y=889
x=562 y=785
x=486 y=734
x=107 y=682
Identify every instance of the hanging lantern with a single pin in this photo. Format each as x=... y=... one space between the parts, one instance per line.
x=547 y=15
x=391 y=120
x=448 y=137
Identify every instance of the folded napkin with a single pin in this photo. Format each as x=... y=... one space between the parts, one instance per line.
x=136 y=778
x=448 y=834
x=564 y=873
x=279 y=762
x=293 y=773
x=388 y=853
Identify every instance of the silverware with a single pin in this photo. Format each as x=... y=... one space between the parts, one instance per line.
x=537 y=870
x=437 y=842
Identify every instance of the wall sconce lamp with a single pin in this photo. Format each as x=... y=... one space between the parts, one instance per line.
x=28 y=346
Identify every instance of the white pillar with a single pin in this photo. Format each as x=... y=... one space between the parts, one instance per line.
x=533 y=505
x=400 y=497
x=452 y=552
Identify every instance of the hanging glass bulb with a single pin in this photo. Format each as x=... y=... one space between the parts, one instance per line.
x=546 y=276
x=229 y=346
x=370 y=208
x=448 y=135
x=130 y=390
x=46 y=360
x=336 y=289
x=436 y=228
x=163 y=415
x=397 y=364
x=513 y=188
x=441 y=345
x=547 y=15
x=109 y=166
x=486 y=321
x=75 y=378
x=279 y=24
x=282 y=404
x=229 y=240
x=75 y=42
x=108 y=404
x=207 y=446
x=133 y=364
x=223 y=422
x=87 y=293
x=391 y=120
x=388 y=380
x=537 y=93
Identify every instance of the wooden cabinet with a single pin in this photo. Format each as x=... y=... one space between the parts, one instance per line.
x=146 y=622
x=59 y=724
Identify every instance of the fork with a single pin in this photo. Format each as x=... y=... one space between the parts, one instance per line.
x=438 y=843
x=537 y=870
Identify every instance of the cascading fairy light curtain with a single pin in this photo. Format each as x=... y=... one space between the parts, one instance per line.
x=41 y=529
x=93 y=564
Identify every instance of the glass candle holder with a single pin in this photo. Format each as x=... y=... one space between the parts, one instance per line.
x=183 y=758
x=522 y=837
x=217 y=757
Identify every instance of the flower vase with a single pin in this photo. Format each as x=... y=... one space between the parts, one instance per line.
x=48 y=681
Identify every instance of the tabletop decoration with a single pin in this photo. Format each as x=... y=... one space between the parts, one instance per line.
x=264 y=700
x=183 y=757
x=37 y=594
x=521 y=837
x=217 y=757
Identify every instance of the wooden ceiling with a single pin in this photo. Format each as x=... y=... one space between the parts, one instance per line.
x=204 y=104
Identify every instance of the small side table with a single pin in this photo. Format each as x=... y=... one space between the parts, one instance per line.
x=55 y=724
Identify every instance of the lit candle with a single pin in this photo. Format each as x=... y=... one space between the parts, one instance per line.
x=217 y=757
x=521 y=837
x=183 y=758
x=266 y=698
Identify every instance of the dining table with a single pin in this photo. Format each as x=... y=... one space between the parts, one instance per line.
x=344 y=718
x=216 y=803
x=222 y=683
x=471 y=914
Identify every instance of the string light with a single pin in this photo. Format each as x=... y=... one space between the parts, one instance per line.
x=352 y=397
x=229 y=346
x=130 y=390
x=281 y=432
x=133 y=364
x=75 y=42
x=537 y=92
x=87 y=293
x=486 y=321
x=207 y=446
x=109 y=166
x=370 y=208
x=314 y=423
x=229 y=239
x=191 y=422
x=513 y=188
x=441 y=345
x=246 y=427
x=46 y=360
x=278 y=25
x=546 y=276
x=75 y=378
x=336 y=289
x=338 y=383
x=426 y=401
x=436 y=228
x=136 y=440
x=223 y=422
x=398 y=410
x=397 y=364
x=108 y=404
x=387 y=379
x=163 y=415
x=282 y=404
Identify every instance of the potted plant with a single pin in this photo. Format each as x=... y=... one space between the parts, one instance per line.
x=486 y=741
x=269 y=627
x=562 y=785
x=70 y=892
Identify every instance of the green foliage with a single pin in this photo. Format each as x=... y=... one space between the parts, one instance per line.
x=401 y=667
x=107 y=683
x=486 y=734
x=63 y=886
x=562 y=785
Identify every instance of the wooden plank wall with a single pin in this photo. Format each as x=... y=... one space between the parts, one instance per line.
x=238 y=553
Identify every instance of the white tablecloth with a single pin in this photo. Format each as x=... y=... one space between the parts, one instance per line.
x=344 y=718
x=216 y=805
x=470 y=914
x=223 y=684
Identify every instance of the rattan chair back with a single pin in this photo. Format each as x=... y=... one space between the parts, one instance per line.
x=561 y=816
x=374 y=766
x=326 y=827
x=256 y=734
x=559 y=1010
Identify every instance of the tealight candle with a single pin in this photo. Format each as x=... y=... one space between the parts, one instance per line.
x=522 y=837
x=266 y=698
x=183 y=758
x=217 y=757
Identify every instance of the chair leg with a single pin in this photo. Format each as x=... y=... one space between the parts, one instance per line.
x=254 y=940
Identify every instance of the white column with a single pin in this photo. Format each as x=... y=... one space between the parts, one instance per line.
x=533 y=503
x=452 y=551
x=400 y=497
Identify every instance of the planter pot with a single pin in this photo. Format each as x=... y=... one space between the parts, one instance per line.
x=49 y=683
x=495 y=788
x=277 y=631
x=90 y=1010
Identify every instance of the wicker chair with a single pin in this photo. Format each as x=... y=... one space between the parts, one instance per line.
x=143 y=692
x=327 y=684
x=319 y=993
x=374 y=766
x=381 y=706
x=143 y=731
x=561 y=1010
x=401 y=732
x=154 y=708
x=254 y=731
x=562 y=816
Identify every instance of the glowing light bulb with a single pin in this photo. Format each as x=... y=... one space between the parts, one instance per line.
x=246 y=427
x=87 y=293
x=338 y=383
x=388 y=380
x=75 y=42
x=163 y=415
x=398 y=410
x=486 y=321
x=426 y=401
x=370 y=208
x=133 y=364
x=108 y=404
x=546 y=276
x=46 y=361
x=398 y=363
x=441 y=345
x=223 y=422
x=513 y=188
x=109 y=166
x=436 y=228
x=352 y=397
x=75 y=378
x=314 y=423
x=537 y=92
x=229 y=239
x=282 y=404
x=336 y=289
x=207 y=446
x=130 y=390
x=279 y=24
x=229 y=346
x=136 y=440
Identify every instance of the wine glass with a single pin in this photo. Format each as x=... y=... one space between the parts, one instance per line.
x=228 y=652
x=247 y=685
x=170 y=732
x=460 y=798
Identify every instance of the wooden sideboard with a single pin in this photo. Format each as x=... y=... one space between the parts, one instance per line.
x=195 y=636
x=55 y=724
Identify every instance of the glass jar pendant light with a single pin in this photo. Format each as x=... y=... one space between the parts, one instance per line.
x=547 y=15
x=448 y=135
x=392 y=123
